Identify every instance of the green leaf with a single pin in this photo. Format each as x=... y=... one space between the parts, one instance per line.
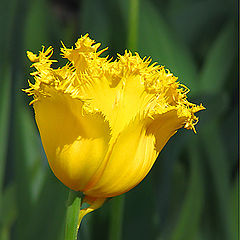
x=157 y=40
x=47 y=213
x=219 y=166
x=36 y=26
x=7 y=14
x=189 y=219
x=116 y=218
x=30 y=146
x=202 y=14
x=8 y=209
x=218 y=62
x=235 y=210
x=98 y=23
x=133 y=25
x=5 y=105
x=29 y=168
x=170 y=178
x=140 y=211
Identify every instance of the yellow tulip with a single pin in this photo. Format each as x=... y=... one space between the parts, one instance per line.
x=102 y=122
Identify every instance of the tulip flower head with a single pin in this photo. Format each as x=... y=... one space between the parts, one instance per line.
x=103 y=123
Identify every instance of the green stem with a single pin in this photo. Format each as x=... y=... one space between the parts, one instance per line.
x=73 y=208
x=116 y=218
x=133 y=25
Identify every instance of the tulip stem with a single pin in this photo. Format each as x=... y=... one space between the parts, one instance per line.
x=73 y=208
x=116 y=218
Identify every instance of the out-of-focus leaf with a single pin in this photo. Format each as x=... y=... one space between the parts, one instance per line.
x=219 y=166
x=139 y=213
x=216 y=106
x=93 y=224
x=133 y=25
x=170 y=181
x=218 y=62
x=8 y=209
x=7 y=13
x=171 y=200
x=235 y=210
x=116 y=218
x=96 y=21
x=37 y=26
x=158 y=41
x=230 y=135
x=194 y=20
x=48 y=214
x=5 y=104
x=31 y=148
x=28 y=166
x=86 y=230
x=188 y=223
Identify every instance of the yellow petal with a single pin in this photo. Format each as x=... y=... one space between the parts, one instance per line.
x=128 y=161
x=165 y=126
x=75 y=143
x=132 y=154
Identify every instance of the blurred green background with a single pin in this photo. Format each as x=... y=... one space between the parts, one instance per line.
x=192 y=191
